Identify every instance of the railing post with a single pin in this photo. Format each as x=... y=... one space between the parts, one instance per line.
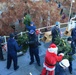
x=21 y=33
x=5 y=41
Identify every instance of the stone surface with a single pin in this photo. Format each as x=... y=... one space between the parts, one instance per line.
x=34 y=69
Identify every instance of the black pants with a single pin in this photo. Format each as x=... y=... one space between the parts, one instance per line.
x=70 y=67
x=11 y=58
x=34 y=52
x=73 y=45
x=1 y=54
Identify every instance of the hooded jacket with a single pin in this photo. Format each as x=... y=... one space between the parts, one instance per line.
x=12 y=46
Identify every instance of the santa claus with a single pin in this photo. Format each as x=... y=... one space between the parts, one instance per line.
x=51 y=58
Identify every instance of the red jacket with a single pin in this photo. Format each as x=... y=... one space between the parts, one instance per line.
x=51 y=59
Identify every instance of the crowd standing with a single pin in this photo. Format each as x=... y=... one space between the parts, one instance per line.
x=54 y=63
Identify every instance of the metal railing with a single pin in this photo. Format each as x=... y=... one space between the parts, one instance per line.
x=21 y=33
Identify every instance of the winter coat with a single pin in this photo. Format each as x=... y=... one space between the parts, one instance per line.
x=51 y=59
x=33 y=41
x=55 y=32
x=59 y=70
x=12 y=46
x=30 y=27
x=1 y=53
x=73 y=34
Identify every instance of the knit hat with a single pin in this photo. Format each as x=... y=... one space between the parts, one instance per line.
x=31 y=32
x=64 y=63
x=11 y=35
x=53 y=48
x=57 y=23
x=31 y=22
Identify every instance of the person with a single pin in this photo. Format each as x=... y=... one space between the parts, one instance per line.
x=12 y=48
x=33 y=47
x=55 y=32
x=61 y=67
x=69 y=39
x=61 y=11
x=59 y=4
x=73 y=34
x=15 y=33
x=31 y=27
x=63 y=16
x=1 y=52
x=51 y=58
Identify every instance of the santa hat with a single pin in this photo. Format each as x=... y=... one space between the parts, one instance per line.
x=53 y=48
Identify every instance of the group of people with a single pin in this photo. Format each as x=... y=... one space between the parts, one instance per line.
x=52 y=59
x=13 y=47
x=71 y=41
x=54 y=63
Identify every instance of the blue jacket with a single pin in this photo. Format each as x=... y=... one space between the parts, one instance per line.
x=30 y=27
x=59 y=70
x=0 y=44
x=73 y=34
x=12 y=46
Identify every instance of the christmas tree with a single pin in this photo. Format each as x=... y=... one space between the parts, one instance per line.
x=64 y=47
x=21 y=41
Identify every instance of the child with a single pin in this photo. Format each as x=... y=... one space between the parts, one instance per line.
x=61 y=67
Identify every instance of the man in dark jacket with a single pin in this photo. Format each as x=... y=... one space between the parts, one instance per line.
x=56 y=31
x=1 y=53
x=69 y=39
x=12 y=47
x=73 y=34
x=33 y=47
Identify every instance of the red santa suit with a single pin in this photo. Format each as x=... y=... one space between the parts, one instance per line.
x=51 y=58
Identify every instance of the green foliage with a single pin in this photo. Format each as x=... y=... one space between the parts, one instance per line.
x=27 y=19
x=64 y=46
x=21 y=40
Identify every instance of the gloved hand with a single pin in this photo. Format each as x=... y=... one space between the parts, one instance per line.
x=61 y=54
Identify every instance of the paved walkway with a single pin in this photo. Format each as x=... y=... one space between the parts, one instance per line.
x=25 y=68
x=23 y=62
